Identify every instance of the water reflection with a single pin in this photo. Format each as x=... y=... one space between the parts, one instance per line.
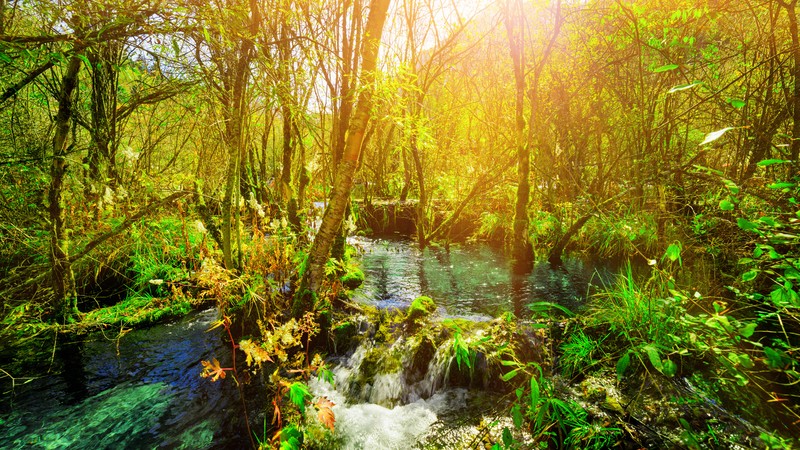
x=473 y=281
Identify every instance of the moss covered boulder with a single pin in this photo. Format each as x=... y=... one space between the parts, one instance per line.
x=353 y=278
x=420 y=308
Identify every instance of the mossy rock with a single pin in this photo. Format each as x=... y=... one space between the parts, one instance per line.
x=345 y=336
x=353 y=278
x=421 y=307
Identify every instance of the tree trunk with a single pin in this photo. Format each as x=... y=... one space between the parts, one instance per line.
x=234 y=110
x=334 y=213
x=62 y=277
x=791 y=10
x=522 y=249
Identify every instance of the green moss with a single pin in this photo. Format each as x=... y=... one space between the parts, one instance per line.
x=353 y=278
x=138 y=310
x=422 y=306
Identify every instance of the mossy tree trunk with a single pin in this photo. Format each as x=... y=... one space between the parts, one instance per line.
x=334 y=213
x=63 y=280
x=522 y=250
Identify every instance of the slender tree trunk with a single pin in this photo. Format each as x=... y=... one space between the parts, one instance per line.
x=235 y=110
x=522 y=250
x=334 y=213
x=62 y=277
x=422 y=206
x=791 y=10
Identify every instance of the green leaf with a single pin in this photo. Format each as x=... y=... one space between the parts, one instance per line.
x=726 y=205
x=84 y=59
x=748 y=329
x=652 y=355
x=736 y=102
x=669 y=368
x=507 y=438
x=746 y=225
x=291 y=438
x=665 y=68
x=516 y=415
x=714 y=135
x=750 y=275
x=510 y=375
x=673 y=252
x=298 y=393
x=534 y=394
x=775 y=358
x=731 y=186
x=781 y=185
x=622 y=365
x=769 y=162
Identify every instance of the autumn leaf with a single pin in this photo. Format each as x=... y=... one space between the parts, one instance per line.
x=325 y=413
x=254 y=352
x=212 y=368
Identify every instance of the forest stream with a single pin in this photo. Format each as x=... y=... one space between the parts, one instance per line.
x=143 y=389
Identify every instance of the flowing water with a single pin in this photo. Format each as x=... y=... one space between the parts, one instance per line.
x=143 y=390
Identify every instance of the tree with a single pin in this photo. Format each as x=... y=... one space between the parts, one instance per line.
x=334 y=213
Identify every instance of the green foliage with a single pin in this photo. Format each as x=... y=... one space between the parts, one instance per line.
x=579 y=354
x=624 y=234
x=299 y=394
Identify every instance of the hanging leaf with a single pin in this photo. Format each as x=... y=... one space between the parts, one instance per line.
x=714 y=135
x=298 y=393
x=516 y=415
x=510 y=375
x=212 y=369
x=669 y=368
x=534 y=394
x=508 y=439
x=652 y=355
x=748 y=330
x=666 y=68
x=673 y=253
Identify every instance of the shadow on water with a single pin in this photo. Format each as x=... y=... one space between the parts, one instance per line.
x=472 y=280
x=141 y=391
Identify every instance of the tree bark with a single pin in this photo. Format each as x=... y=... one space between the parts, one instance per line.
x=334 y=213
x=63 y=280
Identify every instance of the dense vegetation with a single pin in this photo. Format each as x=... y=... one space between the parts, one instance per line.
x=157 y=156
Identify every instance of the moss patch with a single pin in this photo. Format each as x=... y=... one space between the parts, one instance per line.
x=137 y=311
x=353 y=278
x=421 y=307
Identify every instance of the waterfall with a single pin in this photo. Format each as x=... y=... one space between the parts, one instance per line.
x=388 y=397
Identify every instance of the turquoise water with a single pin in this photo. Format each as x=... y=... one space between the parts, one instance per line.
x=473 y=281
x=145 y=392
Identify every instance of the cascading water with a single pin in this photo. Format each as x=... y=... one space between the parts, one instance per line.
x=389 y=412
